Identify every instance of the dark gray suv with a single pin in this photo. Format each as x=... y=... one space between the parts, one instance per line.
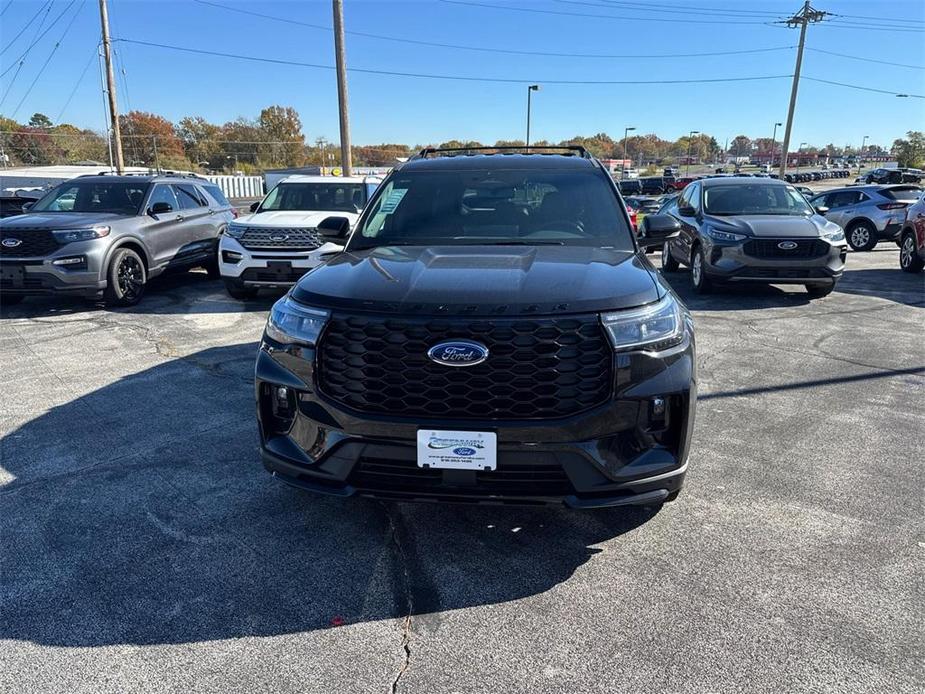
x=753 y=230
x=105 y=236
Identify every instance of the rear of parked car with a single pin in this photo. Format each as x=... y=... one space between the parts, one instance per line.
x=868 y=214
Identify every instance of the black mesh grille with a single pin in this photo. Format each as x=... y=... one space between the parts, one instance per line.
x=509 y=479
x=282 y=275
x=290 y=238
x=770 y=248
x=32 y=243
x=536 y=368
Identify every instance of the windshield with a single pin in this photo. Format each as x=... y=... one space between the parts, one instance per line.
x=116 y=197
x=320 y=197
x=754 y=198
x=910 y=194
x=574 y=208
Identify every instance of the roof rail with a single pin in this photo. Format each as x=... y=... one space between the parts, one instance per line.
x=572 y=150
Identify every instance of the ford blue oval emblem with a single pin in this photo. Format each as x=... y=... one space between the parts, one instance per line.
x=787 y=245
x=463 y=450
x=11 y=243
x=458 y=353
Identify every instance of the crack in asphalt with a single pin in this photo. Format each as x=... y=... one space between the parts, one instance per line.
x=406 y=632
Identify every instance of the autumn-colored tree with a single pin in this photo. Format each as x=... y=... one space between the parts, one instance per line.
x=150 y=140
x=75 y=145
x=201 y=142
x=282 y=127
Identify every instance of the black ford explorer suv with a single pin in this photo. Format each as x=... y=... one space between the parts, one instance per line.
x=492 y=333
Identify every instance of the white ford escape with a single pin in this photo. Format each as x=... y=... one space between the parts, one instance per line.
x=279 y=241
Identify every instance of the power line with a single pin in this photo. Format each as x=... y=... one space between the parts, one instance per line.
x=28 y=24
x=559 y=13
x=50 y=56
x=462 y=78
x=867 y=16
x=77 y=84
x=621 y=6
x=22 y=62
x=867 y=60
x=690 y=8
x=486 y=49
x=866 y=89
x=37 y=39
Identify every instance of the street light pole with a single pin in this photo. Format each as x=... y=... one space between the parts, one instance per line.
x=773 y=143
x=861 y=153
x=623 y=163
x=690 y=139
x=800 y=155
x=532 y=88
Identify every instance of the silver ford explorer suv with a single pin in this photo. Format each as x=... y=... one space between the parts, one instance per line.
x=105 y=236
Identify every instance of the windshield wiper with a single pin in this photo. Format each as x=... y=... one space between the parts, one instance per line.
x=523 y=243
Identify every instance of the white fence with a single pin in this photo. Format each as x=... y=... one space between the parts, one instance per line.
x=239 y=186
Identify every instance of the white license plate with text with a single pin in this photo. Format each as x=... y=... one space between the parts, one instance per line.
x=457 y=450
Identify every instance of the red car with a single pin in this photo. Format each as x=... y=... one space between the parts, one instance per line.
x=912 y=238
x=632 y=212
x=681 y=183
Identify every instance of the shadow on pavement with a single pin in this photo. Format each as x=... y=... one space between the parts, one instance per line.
x=140 y=514
x=736 y=297
x=170 y=293
x=888 y=283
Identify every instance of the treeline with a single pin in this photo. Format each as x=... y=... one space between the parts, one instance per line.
x=275 y=139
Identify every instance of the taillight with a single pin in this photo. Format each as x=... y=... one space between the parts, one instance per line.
x=893 y=205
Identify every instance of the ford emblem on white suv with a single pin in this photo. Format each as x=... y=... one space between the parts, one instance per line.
x=458 y=353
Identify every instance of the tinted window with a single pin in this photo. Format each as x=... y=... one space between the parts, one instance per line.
x=163 y=193
x=118 y=197
x=910 y=194
x=495 y=207
x=843 y=198
x=188 y=196
x=754 y=198
x=217 y=195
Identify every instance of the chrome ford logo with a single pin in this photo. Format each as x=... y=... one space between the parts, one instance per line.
x=458 y=353
x=787 y=245
x=11 y=243
x=464 y=450
x=279 y=237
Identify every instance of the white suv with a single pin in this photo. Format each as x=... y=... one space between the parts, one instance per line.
x=280 y=241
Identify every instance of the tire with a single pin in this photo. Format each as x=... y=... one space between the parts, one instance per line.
x=817 y=291
x=212 y=269
x=669 y=264
x=126 y=279
x=236 y=291
x=861 y=236
x=11 y=299
x=909 y=259
x=699 y=279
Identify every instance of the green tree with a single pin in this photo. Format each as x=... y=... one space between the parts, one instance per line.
x=282 y=127
x=910 y=153
x=201 y=141
x=39 y=120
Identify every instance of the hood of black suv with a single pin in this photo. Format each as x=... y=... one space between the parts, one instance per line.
x=481 y=280
x=771 y=225
x=59 y=220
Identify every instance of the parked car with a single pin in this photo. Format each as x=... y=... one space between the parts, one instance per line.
x=868 y=214
x=630 y=187
x=277 y=243
x=912 y=238
x=671 y=171
x=653 y=185
x=466 y=344
x=106 y=236
x=644 y=205
x=753 y=230
x=885 y=176
x=806 y=192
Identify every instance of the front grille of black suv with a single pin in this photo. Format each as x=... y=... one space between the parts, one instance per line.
x=537 y=368
x=34 y=243
x=770 y=248
x=289 y=239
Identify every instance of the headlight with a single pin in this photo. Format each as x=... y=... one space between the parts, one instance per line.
x=71 y=235
x=654 y=327
x=723 y=235
x=235 y=231
x=837 y=234
x=290 y=323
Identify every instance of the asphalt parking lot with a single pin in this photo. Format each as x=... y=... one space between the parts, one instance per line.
x=145 y=548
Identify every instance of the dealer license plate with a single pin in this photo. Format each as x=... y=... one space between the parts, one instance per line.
x=457 y=450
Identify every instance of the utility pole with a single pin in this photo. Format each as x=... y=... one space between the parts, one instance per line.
x=345 y=154
x=111 y=88
x=532 y=88
x=623 y=163
x=801 y=19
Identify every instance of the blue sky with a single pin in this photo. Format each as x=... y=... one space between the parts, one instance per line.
x=415 y=110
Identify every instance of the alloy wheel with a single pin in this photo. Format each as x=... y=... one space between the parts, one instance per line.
x=906 y=251
x=860 y=236
x=130 y=276
x=696 y=269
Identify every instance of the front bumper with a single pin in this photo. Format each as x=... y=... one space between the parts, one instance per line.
x=34 y=276
x=278 y=269
x=619 y=453
x=728 y=262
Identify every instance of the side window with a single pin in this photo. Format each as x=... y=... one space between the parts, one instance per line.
x=163 y=193
x=188 y=197
x=819 y=201
x=693 y=199
x=843 y=199
x=218 y=195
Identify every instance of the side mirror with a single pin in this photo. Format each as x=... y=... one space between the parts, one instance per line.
x=655 y=229
x=821 y=209
x=254 y=206
x=28 y=205
x=687 y=211
x=161 y=208
x=334 y=227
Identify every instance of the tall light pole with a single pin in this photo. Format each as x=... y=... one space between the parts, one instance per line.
x=773 y=143
x=346 y=154
x=532 y=88
x=623 y=163
x=861 y=153
x=799 y=154
x=690 y=139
